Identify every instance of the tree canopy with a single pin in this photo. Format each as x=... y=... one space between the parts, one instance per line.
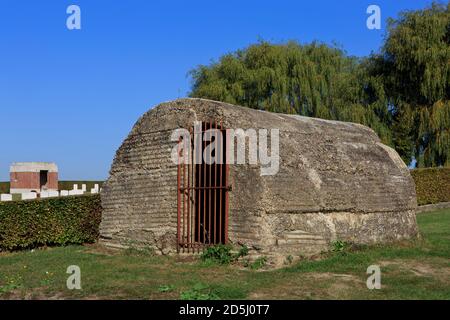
x=416 y=72
x=402 y=93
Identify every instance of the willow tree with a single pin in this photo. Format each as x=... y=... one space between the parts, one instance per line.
x=416 y=70
x=312 y=80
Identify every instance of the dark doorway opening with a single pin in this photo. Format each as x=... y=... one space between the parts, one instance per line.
x=210 y=192
x=43 y=178
x=203 y=191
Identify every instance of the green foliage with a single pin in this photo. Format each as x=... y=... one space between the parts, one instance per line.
x=8 y=287
x=4 y=187
x=415 y=66
x=202 y=291
x=243 y=251
x=52 y=221
x=401 y=93
x=322 y=277
x=289 y=259
x=338 y=246
x=222 y=254
x=416 y=53
x=312 y=80
x=432 y=185
x=199 y=291
x=10 y=283
x=402 y=129
x=166 y=288
x=219 y=253
x=258 y=263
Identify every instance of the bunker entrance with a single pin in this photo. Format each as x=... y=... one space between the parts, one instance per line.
x=43 y=178
x=203 y=190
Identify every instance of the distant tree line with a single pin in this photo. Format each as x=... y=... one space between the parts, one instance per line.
x=402 y=92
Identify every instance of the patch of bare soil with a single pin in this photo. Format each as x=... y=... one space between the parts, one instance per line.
x=421 y=268
x=41 y=294
x=97 y=248
x=35 y=294
x=324 y=285
x=181 y=259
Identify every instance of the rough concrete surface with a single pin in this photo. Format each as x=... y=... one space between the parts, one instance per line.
x=336 y=181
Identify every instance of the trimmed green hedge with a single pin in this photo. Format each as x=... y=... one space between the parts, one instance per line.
x=50 y=221
x=432 y=185
x=4 y=187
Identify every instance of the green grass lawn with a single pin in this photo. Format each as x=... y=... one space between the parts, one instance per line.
x=419 y=270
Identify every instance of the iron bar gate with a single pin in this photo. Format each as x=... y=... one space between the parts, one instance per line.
x=203 y=193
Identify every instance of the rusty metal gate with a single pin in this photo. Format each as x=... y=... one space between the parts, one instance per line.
x=203 y=193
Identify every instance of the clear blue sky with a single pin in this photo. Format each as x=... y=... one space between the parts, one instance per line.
x=72 y=96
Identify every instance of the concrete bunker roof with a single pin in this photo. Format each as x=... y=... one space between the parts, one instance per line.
x=234 y=116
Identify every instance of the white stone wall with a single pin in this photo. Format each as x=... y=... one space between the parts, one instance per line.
x=27 y=194
x=6 y=197
x=49 y=194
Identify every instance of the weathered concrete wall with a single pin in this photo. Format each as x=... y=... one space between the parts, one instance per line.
x=336 y=181
x=140 y=198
